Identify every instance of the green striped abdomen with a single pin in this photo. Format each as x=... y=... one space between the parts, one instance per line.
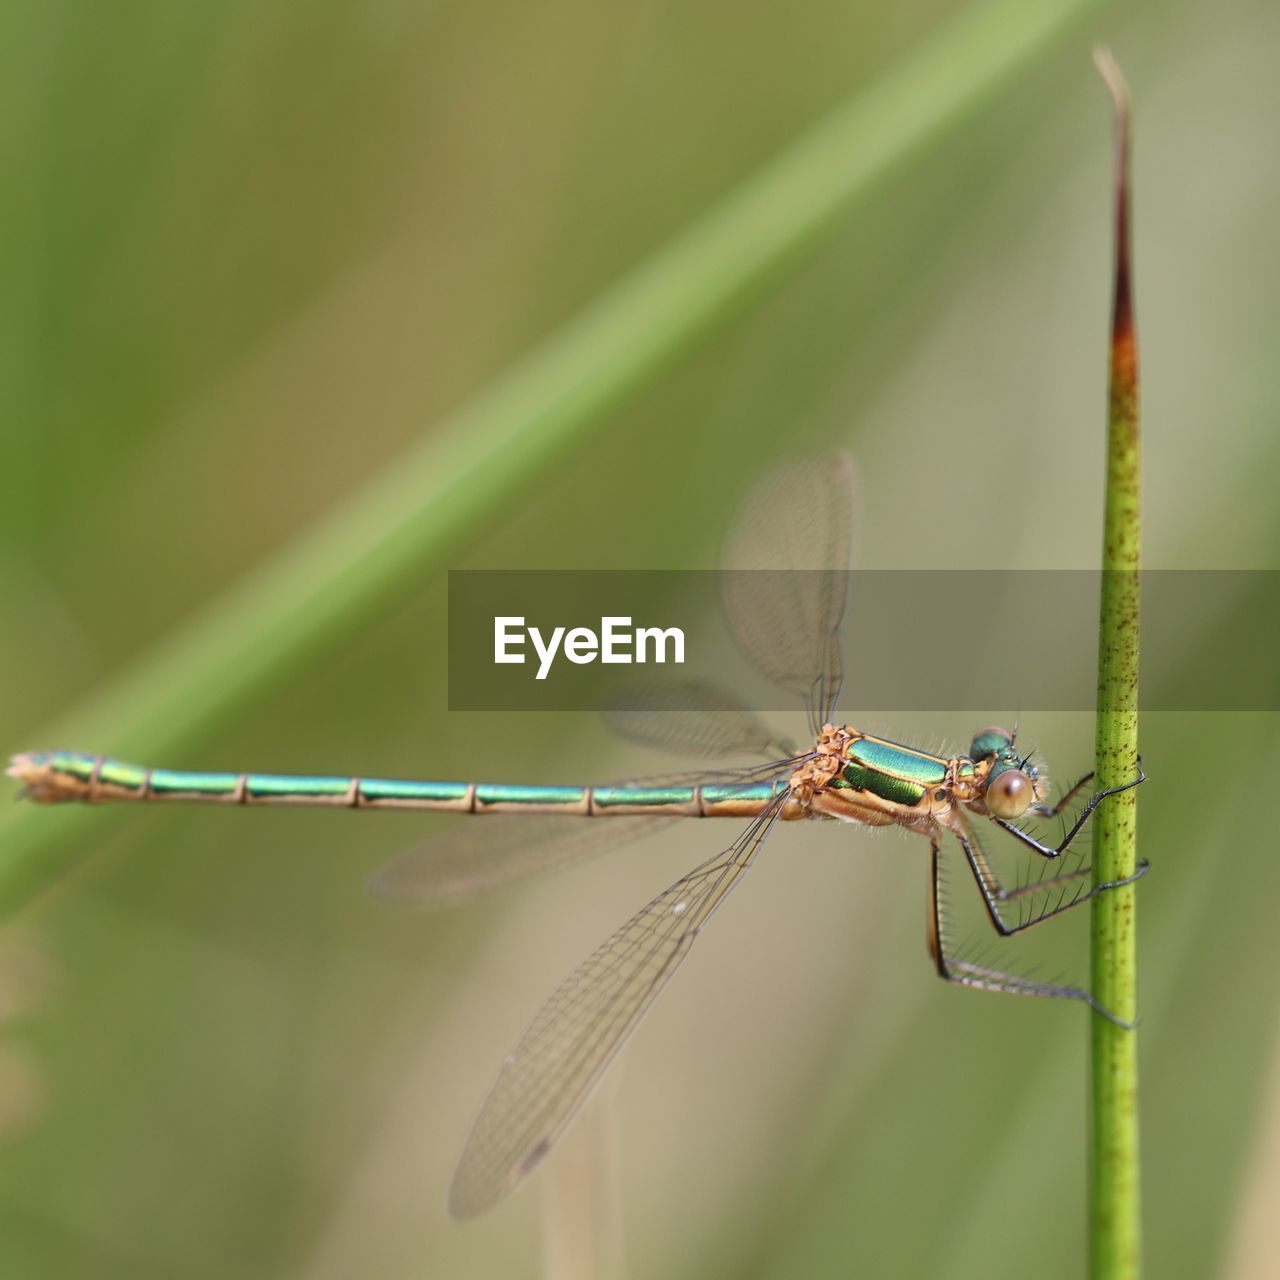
x=55 y=776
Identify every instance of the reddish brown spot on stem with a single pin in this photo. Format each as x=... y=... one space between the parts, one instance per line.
x=1124 y=346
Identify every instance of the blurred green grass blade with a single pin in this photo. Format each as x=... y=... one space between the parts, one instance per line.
x=412 y=515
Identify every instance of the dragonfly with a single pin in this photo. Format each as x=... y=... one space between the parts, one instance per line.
x=798 y=522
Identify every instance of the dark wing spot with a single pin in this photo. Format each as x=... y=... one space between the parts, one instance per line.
x=530 y=1162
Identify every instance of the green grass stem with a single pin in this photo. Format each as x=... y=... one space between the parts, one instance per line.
x=1115 y=1239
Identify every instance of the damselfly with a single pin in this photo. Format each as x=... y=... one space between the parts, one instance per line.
x=789 y=624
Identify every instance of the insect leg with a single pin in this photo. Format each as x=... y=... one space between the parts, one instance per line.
x=994 y=893
x=1050 y=851
x=980 y=977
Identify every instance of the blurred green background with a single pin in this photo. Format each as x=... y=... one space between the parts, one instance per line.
x=251 y=254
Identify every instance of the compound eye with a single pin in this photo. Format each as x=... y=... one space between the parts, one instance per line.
x=989 y=742
x=1010 y=793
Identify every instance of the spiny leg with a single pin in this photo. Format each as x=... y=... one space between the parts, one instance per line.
x=1039 y=886
x=994 y=893
x=965 y=974
x=1050 y=851
x=1052 y=810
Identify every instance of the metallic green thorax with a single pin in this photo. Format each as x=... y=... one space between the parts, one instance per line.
x=893 y=772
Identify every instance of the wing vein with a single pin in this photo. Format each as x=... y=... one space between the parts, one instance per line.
x=586 y=1020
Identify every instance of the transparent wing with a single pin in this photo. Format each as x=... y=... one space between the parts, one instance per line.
x=694 y=717
x=483 y=852
x=796 y=532
x=582 y=1026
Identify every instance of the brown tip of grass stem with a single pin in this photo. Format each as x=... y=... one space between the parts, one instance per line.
x=1123 y=343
